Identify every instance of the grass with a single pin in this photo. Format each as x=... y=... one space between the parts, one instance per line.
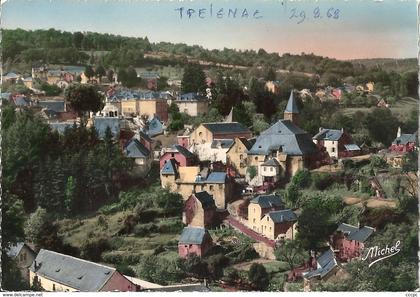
x=401 y=109
x=276 y=267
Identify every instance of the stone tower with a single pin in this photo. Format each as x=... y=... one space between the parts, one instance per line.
x=292 y=112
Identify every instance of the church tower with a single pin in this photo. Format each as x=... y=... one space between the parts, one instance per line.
x=291 y=112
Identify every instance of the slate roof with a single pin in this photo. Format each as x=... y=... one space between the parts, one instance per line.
x=61 y=127
x=247 y=143
x=57 y=106
x=329 y=134
x=191 y=97
x=155 y=127
x=126 y=94
x=281 y=216
x=352 y=147
x=76 y=273
x=285 y=136
x=233 y=127
x=192 y=235
x=267 y=201
x=21 y=101
x=291 y=104
x=182 y=150
x=355 y=233
x=101 y=124
x=15 y=249
x=271 y=162
x=406 y=138
x=216 y=178
x=145 y=136
x=135 y=149
x=169 y=167
x=224 y=143
x=205 y=199
x=326 y=263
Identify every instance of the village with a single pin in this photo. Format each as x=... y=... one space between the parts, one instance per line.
x=207 y=194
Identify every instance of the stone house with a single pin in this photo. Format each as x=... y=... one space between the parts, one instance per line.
x=24 y=256
x=207 y=132
x=237 y=155
x=337 y=143
x=143 y=158
x=280 y=224
x=348 y=241
x=199 y=210
x=289 y=145
x=192 y=104
x=261 y=205
x=194 y=241
x=215 y=151
x=404 y=143
x=273 y=86
x=189 y=179
x=182 y=155
x=58 y=272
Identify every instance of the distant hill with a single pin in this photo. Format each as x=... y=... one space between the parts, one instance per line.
x=398 y=65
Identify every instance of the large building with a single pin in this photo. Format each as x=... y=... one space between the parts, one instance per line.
x=192 y=104
x=283 y=149
x=337 y=143
x=58 y=272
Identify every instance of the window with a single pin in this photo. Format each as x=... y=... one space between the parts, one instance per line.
x=270 y=228
x=333 y=149
x=172 y=155
x=265 y=168
x=220 y=186
x=200 y=133
x=53 y=287
x=241 y=157
x=271 y=169
x=267 y=219
x=253 y=220
x=211 y=187
x=256 y=158
x=202 y=187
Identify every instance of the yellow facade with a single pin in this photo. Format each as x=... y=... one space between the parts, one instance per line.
x=49 y=285
x=201 y=135
x=193 y=108
x=129 y=107
x=237 y=156
x=147 y=108
x=254 y=216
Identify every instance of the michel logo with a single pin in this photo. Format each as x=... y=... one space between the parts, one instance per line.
x=379 y=254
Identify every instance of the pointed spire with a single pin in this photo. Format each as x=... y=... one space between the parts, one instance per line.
x=291 y=104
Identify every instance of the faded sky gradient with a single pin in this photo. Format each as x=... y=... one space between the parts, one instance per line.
x=365 y=29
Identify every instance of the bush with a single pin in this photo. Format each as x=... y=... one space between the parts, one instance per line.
x=126 y=270
x=252 y=171
x=258 y=276
x=113 y=258
x=92 y=250
x=145 y=229
x=322 y=181
x=302 y=179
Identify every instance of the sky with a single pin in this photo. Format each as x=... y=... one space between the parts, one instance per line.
x=340 y=29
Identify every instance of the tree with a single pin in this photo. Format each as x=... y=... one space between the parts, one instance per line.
x=35 y=224
x=258 y=276
x=89 y=72
x=382 y=125
x=110 y=75
x=100 y=71
x=292 y=195
x=11 y=276
x=291 y=252
x=271 y=75
x=194 y=79
x=84 y=98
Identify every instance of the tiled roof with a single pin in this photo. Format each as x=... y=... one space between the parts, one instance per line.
x=57 y=106
x=271 y=162
x=352 y=147
x=226 y=127
x=285 y=136
x=329 y=134
x=205 y=199
x=135 y=149
x=291 y=104
x=191 y=97
x=281 y=216
x=101 y=124
x=155 y=127
x=326 y=263
x=223 y=143
x=216 y=178
x=355 y=233
x=268 y=201
x=192 y=235
x=76 y=273
x=61 y=127
x=169 y=167
x=406 y=138
x=182 y=150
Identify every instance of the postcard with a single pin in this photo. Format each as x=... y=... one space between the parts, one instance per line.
x=209 y=146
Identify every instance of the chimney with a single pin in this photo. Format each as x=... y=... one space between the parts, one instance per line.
x=342 y=129
x=399 y=132
x=320 y=129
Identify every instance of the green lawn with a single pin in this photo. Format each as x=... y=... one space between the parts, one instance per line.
x=401 y=109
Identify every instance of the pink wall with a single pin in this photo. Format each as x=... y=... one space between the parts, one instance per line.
x=182 y=161
x=348 y=249
x=190 y=249
x=401 y=148
x=119 y=283
x=184 y=141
